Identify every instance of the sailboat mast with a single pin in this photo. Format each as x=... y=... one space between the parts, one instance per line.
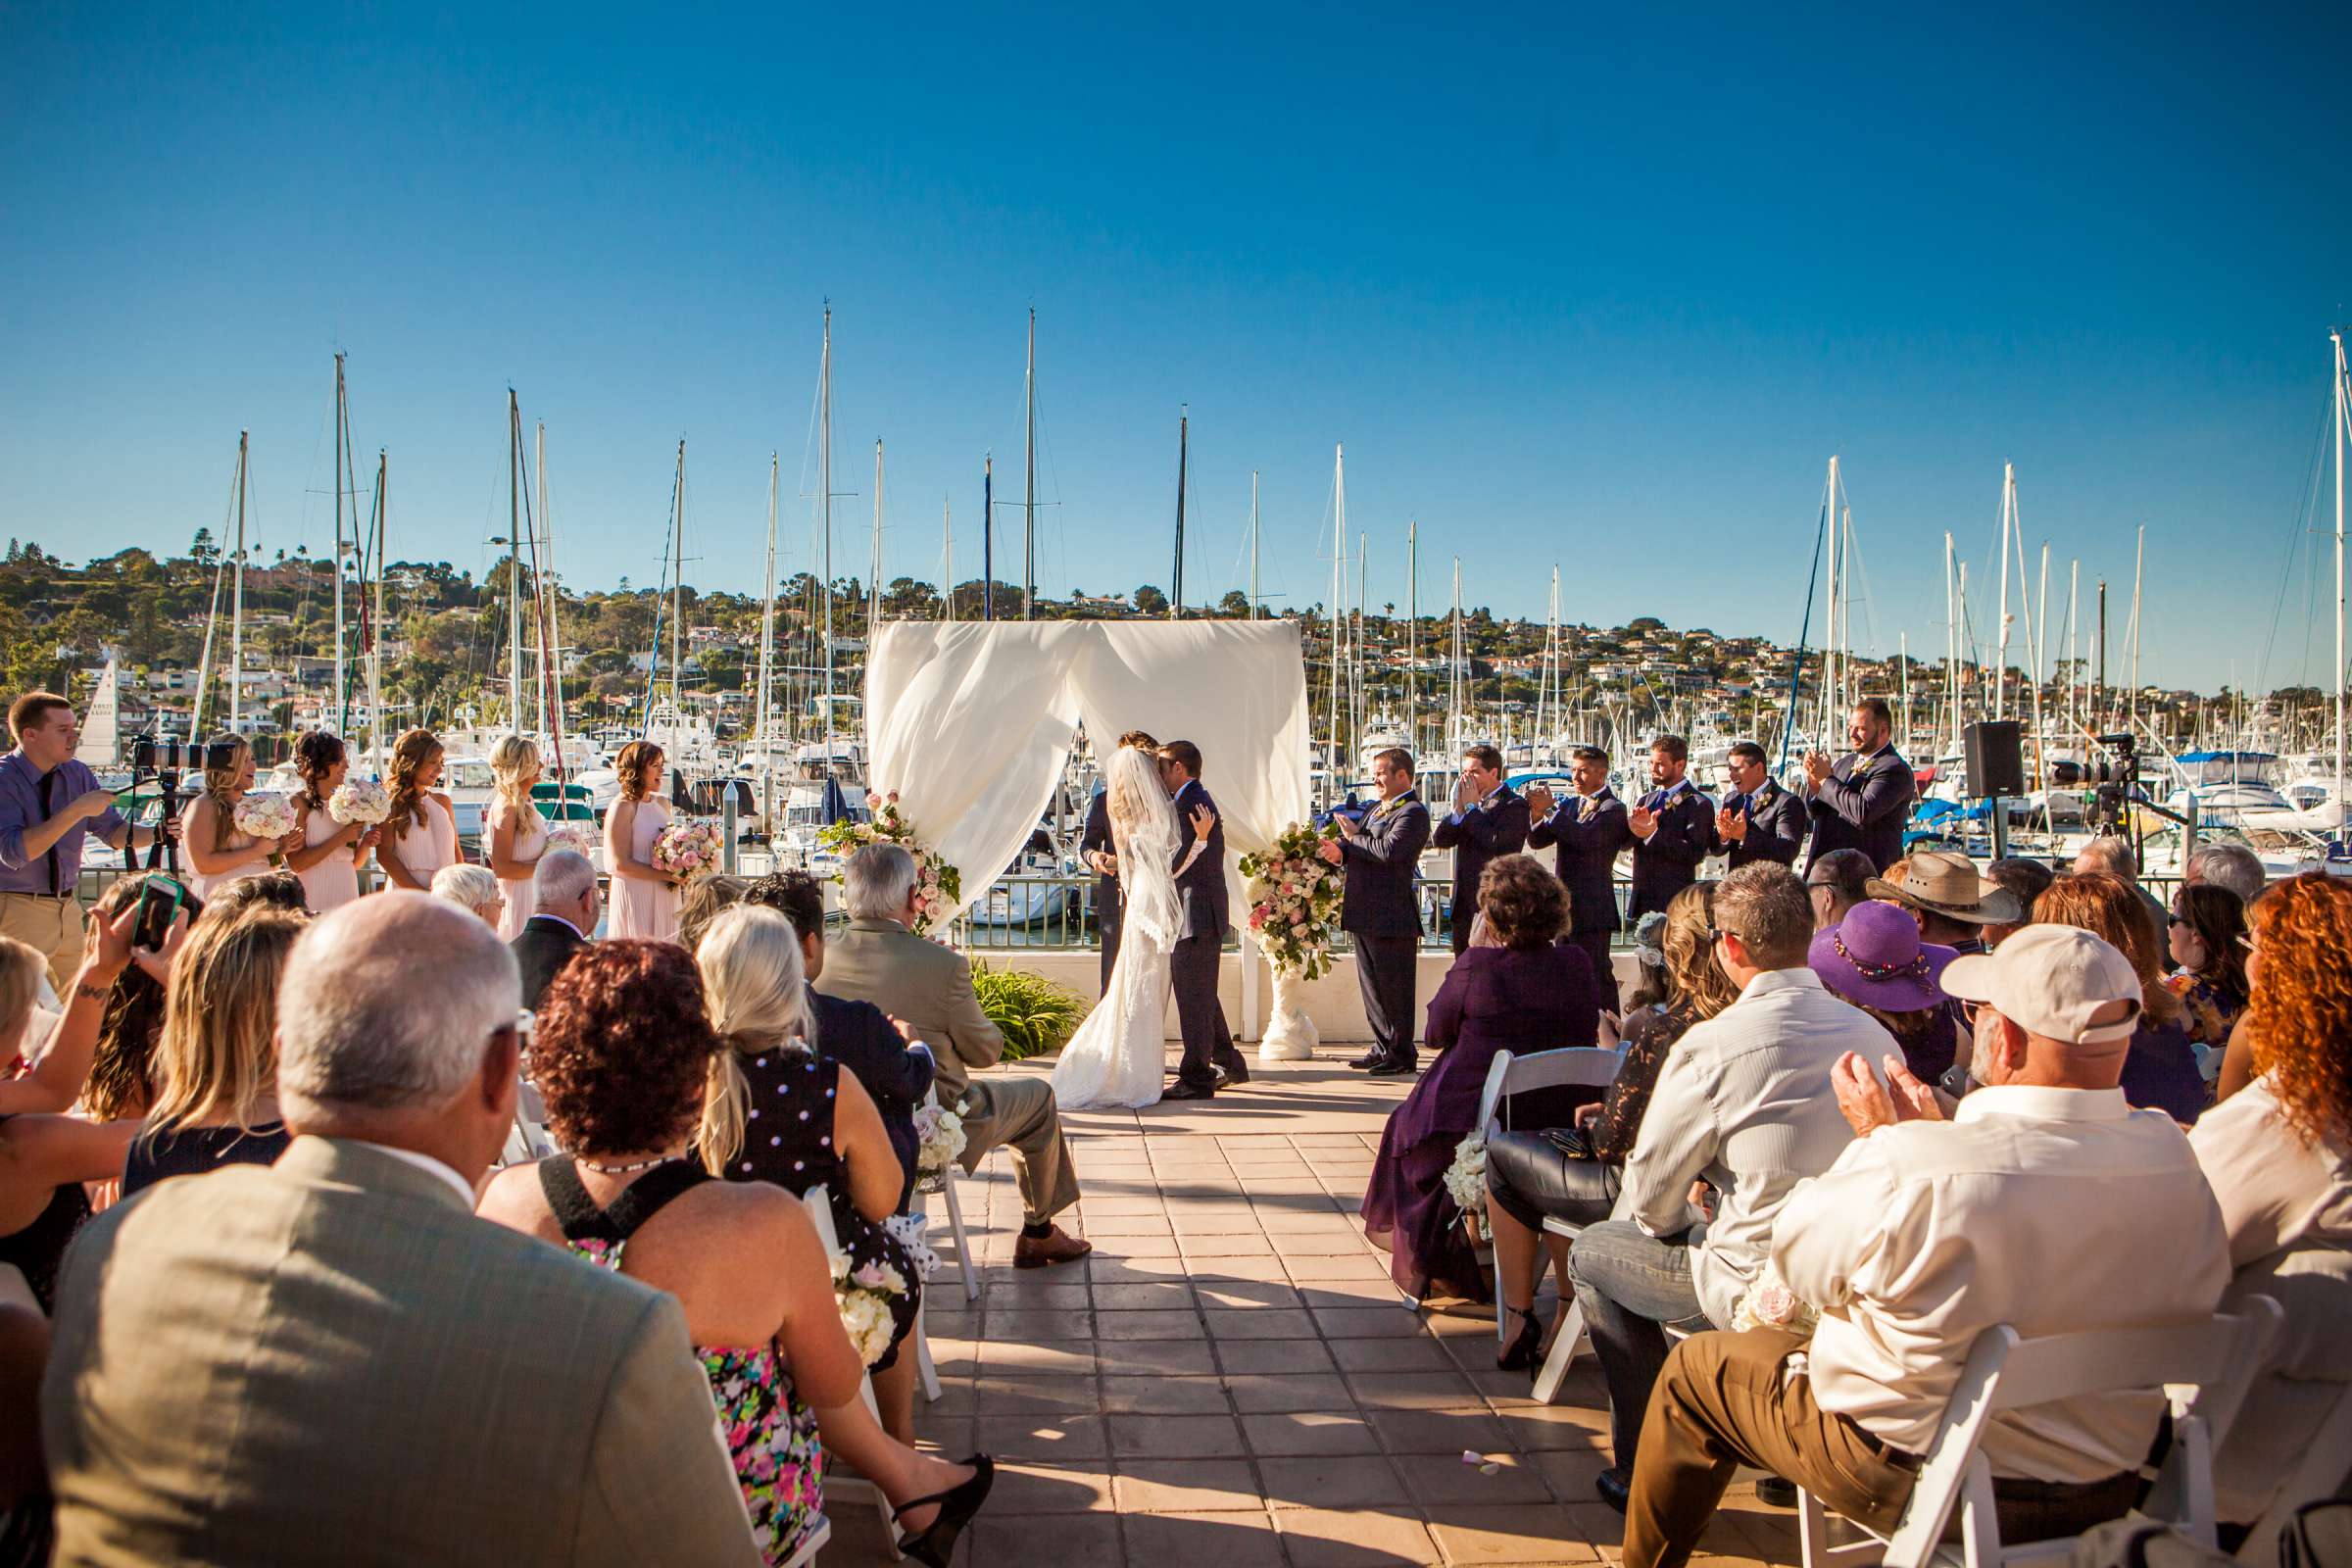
x=1412 y=637
x=2338 y=680
x=1184 y=427
x=988 y=537
x=1029 y=483
x=1833 y=677
x=543 y=599
x=2074 y=666
x=375 y=649
x=341 y=425
x=677 y=580
x=2000 y=665
x=767 y=660
x=1336 y=612
x=947 y=558
x=236 y=621
x=1951 y=644
x=1254 y=544
x=2139 y=557
x=1457 y=686
x=824 y=485
x=515 y=715
x=873 y=613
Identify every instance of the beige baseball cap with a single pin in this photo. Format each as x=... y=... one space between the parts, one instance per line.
x=2049 y=980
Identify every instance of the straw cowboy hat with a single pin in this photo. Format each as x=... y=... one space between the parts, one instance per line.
x=1944 y=883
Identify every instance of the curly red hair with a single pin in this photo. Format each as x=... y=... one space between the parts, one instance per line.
x=620 y=1047
x=2301 y=1015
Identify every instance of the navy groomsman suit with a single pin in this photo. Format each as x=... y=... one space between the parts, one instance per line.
x=1097 y=838
x=1590 y=830
x=1776 y=826
x=1194 y=962
x=1864 y=804
x=1379 y=911
x=1668 y=862
x=1478 y=833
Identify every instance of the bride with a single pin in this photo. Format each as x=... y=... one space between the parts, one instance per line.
x=1118 y=1057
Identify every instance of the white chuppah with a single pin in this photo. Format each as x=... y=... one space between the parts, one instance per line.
x=969 y=722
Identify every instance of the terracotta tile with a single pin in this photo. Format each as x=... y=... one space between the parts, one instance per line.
x=1175 y=1436
x=1049 y=1358
x=1207 y=1221
x=1320 y=1220
x=1260 y=1323
x=1110 y=1249
x=1418 y=1354
x=1044 y=1439
x=1128 y=1225
x=1098 y=1204
x=1368 y=1322
x=1228 y=1539
x=1313 y=1391
x=1515 y=1534
x=1322 y=1242
x=1164 y=1357
x=1185 y=1485
x=1353 y=1537
x=1041 y=1395
x=1089 y=1538
x=1229 y=1292
x=1446 y=1432
x=1415 y=1390
x=1174 y=1325
x=1307 y=1432
x=1164 y=1296
x=1434 y=1481
x=1333 y=1481
x=1034 y=1290
x=1338 y=1266
x=1225 y=1244
x=1376 y=1289
x=1536 y=1428
x=1570 y=1472
x=1267 y=1267
x=1024 y=1489
x=1274 y=1358
x=1147 y=1394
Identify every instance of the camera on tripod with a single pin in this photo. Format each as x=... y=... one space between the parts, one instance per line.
x=2113 y=777
x=163 y=760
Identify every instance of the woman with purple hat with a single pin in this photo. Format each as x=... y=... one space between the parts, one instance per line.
x=1875 y=960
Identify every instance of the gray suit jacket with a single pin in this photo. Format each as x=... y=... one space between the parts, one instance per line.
x=920 y=983
x=331 y=1360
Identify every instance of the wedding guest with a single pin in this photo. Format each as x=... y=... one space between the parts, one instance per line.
x=1489 y=820
x=215 y=1100
x=1520 y=990
x=1573 y=1173
x=1379 y=911
x=2229 y=865
x=1910 y=1246
x=331 y=852
x=1673 y=828
x=2026 y=880
x=1652 y=984
x=2111 y=854
x=2161 y=1070
x=516 y=834
x=1758 y=820
x=1949 y=900
x=1834 y=883
x=564 y=920
x=49 y=801
x=1875 y=960
x=1589 y=829
x=1740 y=1105
x=895 y=1069
x=645 y=900
x=1862 y=800
x=331 y=1358
x=219 y=851
x=2206 y=936
x=271 y=890
x=928 y=988
x=622 y=1052
x=474 y=888
x=702 y=901
x=422 y=830
x=2278 y=1156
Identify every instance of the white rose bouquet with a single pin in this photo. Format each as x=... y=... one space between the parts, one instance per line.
x=360 y=800
x=266 y=814
x=1769 y=1303
x=688 y=848
x=578 y=837
x=1466 y=1182
x=862 y=1294
x=939 y=1143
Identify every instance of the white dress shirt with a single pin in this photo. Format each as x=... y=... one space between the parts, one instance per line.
x=1745 y=1101
x=2052 y=1210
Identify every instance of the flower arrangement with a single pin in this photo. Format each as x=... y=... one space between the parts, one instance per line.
x=266 y=814
x=862 y=1294
x=360 y=800
x=1294 y=901
x=688 y=848
x=1466 y=1182
x=939 y=886
x=1769 y=1303
x=578 y=837
x=939 y=1143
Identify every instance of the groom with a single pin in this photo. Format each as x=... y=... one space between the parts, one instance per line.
x=1193 y=964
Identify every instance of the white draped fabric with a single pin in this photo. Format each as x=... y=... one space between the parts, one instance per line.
x=969 y=722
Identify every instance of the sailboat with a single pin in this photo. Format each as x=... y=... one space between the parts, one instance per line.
x=101 y=731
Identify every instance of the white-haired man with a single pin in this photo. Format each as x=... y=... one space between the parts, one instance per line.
x=331 y=1358
x=2229 y=865
x=929 y=988
x=564 y=884
x=1929 y=1231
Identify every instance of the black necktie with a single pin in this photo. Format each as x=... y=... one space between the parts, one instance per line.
x=56 y=871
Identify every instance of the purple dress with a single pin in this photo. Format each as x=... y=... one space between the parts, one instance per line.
x=1494 y=999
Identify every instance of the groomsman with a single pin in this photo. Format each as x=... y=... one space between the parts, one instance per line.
x=1209 y=1058
x=1489 y=819
x=1674 y=828
x=1589 y=829
x=1379 y=911
x=1759 y=820
x=1098 y=850
x=1863 y=800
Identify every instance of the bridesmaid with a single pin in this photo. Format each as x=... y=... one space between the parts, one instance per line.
x=217 y=854
x=517 y=833
x=422 y=831
x=644 y=901
x=331 y=854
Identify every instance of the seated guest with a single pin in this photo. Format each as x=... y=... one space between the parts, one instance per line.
x=700 y=900
x=779 y=1111
x=2206 y=936
x=264 y=890
x=2227 y=866
x=1875 y=960
x=929 y=988
x=215 y=1100
x=2280 y=1158
x=1652 y=984
x=2026 y=880
x=622 y=1051
x=1572 y=1173
x=1516 y=988
x=1951 y=902
x=895 y=1070
x=1836 y=882
x=565 y=883
x=471 y=887
x=1928 y=1232
x=2161 y=1072
x=331 y=1358
x=1742 y=1104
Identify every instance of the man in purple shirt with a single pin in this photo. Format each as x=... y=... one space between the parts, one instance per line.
x=47 y=802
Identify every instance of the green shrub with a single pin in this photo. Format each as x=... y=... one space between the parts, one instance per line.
x=1035 y=1014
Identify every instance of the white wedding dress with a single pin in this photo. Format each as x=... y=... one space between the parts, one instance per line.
x=1119 y=1054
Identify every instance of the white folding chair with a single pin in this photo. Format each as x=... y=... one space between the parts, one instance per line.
x=1571 y=1066
x=2327 y=1460
x=964 y=1261
x=806 y=1554
x=2204 y=1366
x=527 y=1141
x=819 y=1203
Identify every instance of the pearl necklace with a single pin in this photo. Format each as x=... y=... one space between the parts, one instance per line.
x=629 y=1169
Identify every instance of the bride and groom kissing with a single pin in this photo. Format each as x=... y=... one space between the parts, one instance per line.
x=1154 y=837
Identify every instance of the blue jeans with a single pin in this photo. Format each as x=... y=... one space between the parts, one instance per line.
x=1631 y=1285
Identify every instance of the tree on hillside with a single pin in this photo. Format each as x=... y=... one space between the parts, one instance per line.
x=1149 y=601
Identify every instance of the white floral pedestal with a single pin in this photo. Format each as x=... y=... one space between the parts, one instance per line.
x=1290 y=1034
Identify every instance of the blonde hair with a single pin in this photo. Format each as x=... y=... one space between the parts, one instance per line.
x=513 y=759
x=219 y=781
x=756 y=991
x=705 y=900
x=22 y=968
x=217 y=1055
x=1699 y=983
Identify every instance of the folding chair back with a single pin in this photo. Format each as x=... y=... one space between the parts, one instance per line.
x=2327 y=1460
x=1570 y=1067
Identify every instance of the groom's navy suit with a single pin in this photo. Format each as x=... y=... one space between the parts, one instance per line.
x=1194 y=962
x=1097 y=837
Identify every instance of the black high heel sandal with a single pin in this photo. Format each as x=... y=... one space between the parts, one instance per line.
x=1522 y=1354
x=957 y=1507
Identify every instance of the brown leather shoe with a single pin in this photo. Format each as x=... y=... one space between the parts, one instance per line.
x=1056 y=1245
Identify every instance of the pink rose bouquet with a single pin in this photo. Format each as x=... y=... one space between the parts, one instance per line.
x=1294 y=901
x=688 y=848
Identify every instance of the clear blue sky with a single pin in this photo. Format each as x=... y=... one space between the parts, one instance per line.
x=1592 y=289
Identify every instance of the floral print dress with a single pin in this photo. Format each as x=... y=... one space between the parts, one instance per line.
x=771 y=1435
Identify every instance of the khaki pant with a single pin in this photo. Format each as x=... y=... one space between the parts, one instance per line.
x=1019 y=1113
x=51 y=927
x=1726 y=1400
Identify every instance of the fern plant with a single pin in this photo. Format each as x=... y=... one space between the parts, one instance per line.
x=1035 y=1014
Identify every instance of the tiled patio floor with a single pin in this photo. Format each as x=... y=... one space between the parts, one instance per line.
x=1231 y=1378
